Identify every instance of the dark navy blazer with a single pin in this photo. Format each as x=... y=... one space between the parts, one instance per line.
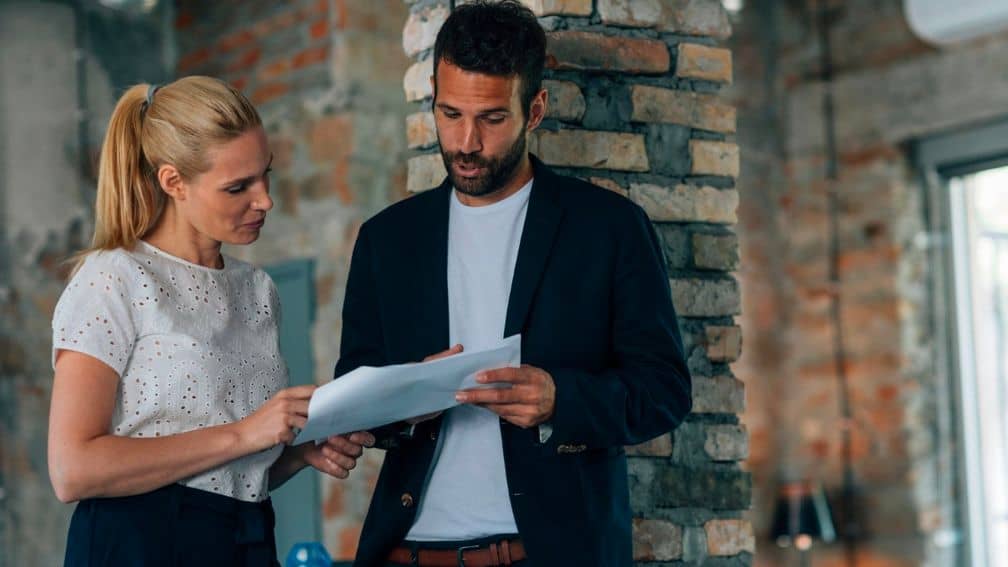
x=591 y=298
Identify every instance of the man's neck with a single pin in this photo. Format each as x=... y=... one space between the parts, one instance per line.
x=523 y=174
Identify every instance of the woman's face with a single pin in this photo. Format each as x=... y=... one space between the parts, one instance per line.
x=228 y=203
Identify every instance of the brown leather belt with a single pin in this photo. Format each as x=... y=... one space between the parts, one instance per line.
x=497 y=554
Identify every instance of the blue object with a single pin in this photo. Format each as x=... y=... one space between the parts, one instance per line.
x=308 y=554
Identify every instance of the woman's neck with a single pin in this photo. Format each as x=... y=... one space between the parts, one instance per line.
x=178 y=238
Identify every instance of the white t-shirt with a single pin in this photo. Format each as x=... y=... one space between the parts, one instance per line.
x=466 y=495
x=194 y=347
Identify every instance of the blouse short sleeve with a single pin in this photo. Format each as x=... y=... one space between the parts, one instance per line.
x=93 y=315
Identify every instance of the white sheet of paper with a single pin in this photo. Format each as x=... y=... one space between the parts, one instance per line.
x=371 y=397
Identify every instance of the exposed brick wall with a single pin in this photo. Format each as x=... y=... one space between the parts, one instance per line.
x=634 y=108
x=889 y=89
x=326 y=77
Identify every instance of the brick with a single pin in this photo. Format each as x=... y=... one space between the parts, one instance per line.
x=310 y=56
x=686 y=203
x=696 y=110
x=660 y=446
x=724 y=343
x=268 y=92
x=425 y=172
x=715 y=251
x=416 y=83
x=714 y=158
x=729 y=537
x=718 y=394
x=559 y=7
x=583 y=148
x=680 y=486
x=726 y=442
x=422 y=27
x=331 y=138
x=702 y=62
x=420 y=130
x=656 y=540
x=690 y=17
x=565 y=100
x=596 y=52
x=706 y=298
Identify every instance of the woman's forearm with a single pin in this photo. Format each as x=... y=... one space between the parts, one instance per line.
x=109 y=465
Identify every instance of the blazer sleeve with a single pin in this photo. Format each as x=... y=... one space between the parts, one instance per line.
x=362 y=342
x=647 y=389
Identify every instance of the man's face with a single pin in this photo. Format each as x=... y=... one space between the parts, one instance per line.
x=481 y=127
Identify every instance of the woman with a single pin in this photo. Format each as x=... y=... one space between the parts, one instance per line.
x=169 y=419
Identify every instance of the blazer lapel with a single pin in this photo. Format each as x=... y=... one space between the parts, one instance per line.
x=431 y=267
x=541 y=223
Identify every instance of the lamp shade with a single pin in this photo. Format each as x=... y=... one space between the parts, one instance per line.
x=802 y=510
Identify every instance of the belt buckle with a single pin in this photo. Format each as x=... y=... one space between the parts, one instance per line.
x=460 y=551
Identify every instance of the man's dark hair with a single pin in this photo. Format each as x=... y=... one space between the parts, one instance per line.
x=495 y=38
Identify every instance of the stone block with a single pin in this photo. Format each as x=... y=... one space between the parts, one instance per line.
x=714 y=158
x=425 y=172
x=416 y=83
x=583 y=148
x=686 y=203
x=679 y=486
x=420 y=130
x=706 y=298
x=715 y=251
x=589 y=51
x=718 y=394
x=729 y=537
x=656 y=540
x=724 y=344
x=559 y=7
x=696 y=61
x=609 y=184
x=660 y=446
x=675 y=244
x=696 y=110
x=726 y=442
x=422 y=27
x=565 y=100
x=688 y=17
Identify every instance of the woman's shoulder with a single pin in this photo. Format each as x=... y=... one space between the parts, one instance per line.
x=116 y=262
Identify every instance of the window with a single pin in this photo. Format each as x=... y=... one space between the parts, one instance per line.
x=968 y=178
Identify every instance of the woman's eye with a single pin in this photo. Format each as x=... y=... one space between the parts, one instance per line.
x=236 y=189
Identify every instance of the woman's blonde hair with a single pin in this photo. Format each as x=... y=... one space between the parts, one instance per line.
x=152 y=126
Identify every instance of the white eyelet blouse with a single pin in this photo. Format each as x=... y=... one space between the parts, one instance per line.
x=193 y=346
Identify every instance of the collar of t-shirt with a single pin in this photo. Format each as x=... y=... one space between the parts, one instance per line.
x=510 y=203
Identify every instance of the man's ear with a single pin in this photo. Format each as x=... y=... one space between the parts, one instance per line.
x=170 y=181
x=537 y=110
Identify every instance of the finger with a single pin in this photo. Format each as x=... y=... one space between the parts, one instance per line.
x=365 y=438
x=342 y=461
x=339 y=445
x=488 y=396
x=302 y=392
x=508 y=374
x=452 y=351
x=296 y=407
x=332 y=469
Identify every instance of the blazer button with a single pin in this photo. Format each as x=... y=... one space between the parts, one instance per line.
x=407 y=500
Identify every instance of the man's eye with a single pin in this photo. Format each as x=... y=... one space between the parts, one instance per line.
x=494 y=119
x=452 y=115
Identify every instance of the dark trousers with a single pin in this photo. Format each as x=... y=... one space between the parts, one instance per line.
x=173 y=526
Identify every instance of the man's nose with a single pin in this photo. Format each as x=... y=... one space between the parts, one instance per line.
x=471 y=139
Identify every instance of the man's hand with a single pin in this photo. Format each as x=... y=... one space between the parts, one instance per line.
x=445 y=353
x=529 y=401
x=339 y=454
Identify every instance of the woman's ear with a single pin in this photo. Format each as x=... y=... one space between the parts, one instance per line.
x=170 y=181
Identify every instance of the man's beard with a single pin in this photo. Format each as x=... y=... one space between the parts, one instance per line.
x=498 y=170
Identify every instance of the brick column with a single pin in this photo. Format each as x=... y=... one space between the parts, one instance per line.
x=633 y=107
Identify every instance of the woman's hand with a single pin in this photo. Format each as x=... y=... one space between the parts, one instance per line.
x=338 y=455
x=278 y=420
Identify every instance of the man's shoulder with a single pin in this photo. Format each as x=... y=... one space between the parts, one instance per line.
x=583 y=197
x=405 y=213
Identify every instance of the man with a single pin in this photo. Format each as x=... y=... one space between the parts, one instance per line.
x=534 y=474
